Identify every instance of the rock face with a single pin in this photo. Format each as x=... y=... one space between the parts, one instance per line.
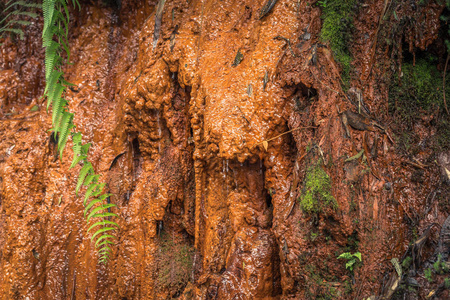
x=225 y=150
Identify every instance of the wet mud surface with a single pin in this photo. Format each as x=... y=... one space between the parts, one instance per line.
x=217 y=200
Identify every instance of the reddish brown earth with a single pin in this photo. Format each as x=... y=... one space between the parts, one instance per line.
x=205 y=210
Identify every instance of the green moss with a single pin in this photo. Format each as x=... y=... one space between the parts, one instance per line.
x=428 y=274
x=174 y=260
x=316 y=195
x=420 y=86
x=417 y=91
x=337 y=18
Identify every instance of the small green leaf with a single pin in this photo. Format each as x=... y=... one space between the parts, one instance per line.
x=104 y=237
x=104 y=222
x=98 y=209
x=104 y=243
x=87 y=168
x=100 y=231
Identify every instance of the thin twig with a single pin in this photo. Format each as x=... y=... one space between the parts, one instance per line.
x=420 y=166
x=443 y=82
x=283 y=134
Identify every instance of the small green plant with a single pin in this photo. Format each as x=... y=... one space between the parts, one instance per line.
x=428 y=274
x=351 y=259
x=313 y=236
x=406 y=263
x=316 y=194
x=447 y=283
x=439 y=266
x=337 y=18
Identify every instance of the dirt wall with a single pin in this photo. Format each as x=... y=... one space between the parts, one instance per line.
x=230 y=148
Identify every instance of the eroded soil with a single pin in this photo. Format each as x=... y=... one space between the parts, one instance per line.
x=207 y=209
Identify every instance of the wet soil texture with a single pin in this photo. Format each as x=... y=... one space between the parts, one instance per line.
x=240 y=167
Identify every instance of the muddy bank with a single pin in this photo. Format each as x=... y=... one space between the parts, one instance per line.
x=237 y=158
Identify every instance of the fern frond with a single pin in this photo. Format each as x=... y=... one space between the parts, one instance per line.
x=19 y=13
x=105 y=242
x=103 y=237
x=105 y=214
x=76 y=160
x=100 y=231
x=88 y=194
x=94 y=213
x=51 y=82
x=103 y=222
x=105 y=249
x=51 y=57
x=76 y=140
x=75 y=2
x=93 y=178
x=58 y=112
x=48 y=8
x=98 y=190
x=90 y=205
x=55 y=40
x=85 y=148
x=66 y=126
x=87 y=168
x=22 y=4
x=14 y=30
x=57 y=91
x=16 y=22
x=95 y=201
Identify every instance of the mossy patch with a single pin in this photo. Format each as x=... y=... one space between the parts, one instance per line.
x=316 y=195
x=174 y=263
x=420 y=86
x=418 y=91
x=337 y=27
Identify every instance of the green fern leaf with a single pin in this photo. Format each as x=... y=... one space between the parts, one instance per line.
x=17 y=22
x=98 y=190
x=19 y=13
x=75 y=2
x=105 y=214
x=87 y=168
x=85 y=148
x=22 y=4
x=48 y=8
x=14 y=30
x=94 y=213
x=105 y=249
x=58 y=112
x=66 y=125
x=76 y=140
x=57 y=91
x=51 y=55
x=93 y=178
x=92 y=203
x=103 y=237
x=76 y=160
x=105 y=242
x=51 y=82
x=100 y=231
x=104 y=222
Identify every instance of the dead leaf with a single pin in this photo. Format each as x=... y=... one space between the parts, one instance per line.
x=265 y=145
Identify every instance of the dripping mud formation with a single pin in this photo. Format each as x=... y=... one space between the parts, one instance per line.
x=242 y=156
